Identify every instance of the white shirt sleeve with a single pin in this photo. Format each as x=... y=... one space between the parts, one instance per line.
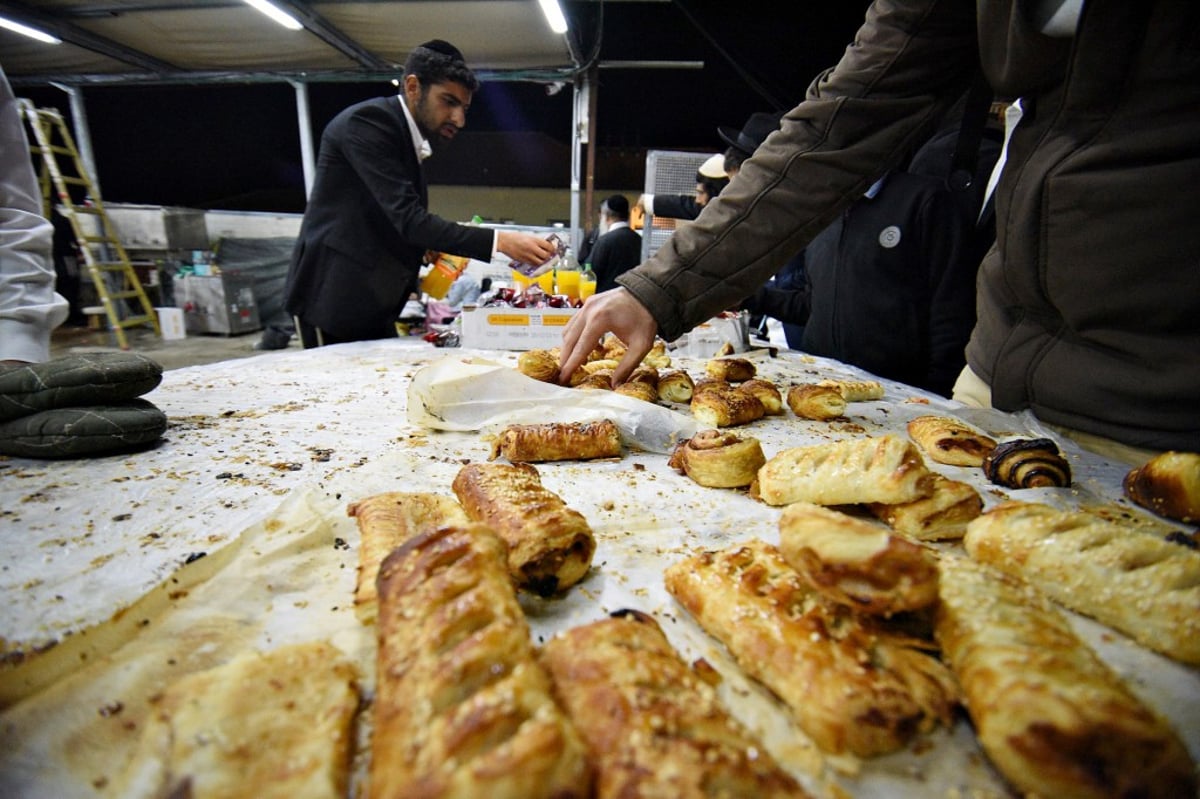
x=29 y=306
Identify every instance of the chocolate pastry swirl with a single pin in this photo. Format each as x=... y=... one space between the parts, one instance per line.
x=1027 y=463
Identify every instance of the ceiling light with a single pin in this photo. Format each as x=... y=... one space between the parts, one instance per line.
x=282 y=17
x=25 y=30
x=554 y=15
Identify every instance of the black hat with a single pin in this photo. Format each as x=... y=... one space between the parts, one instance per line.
x=444 y=47
x=756 y=130
x=618 y=206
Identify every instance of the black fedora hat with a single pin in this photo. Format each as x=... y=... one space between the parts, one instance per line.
x=757 y=128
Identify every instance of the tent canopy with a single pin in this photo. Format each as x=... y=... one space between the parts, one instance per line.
x=196 y=41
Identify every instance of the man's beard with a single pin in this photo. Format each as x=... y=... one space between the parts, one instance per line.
x=435 y=138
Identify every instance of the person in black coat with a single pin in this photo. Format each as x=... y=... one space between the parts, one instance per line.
x=619 y=249
x=366 y=228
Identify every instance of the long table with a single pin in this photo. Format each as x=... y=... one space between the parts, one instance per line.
x=122 y=573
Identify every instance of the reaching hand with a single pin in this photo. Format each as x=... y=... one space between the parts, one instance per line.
x=525 y=247
x=617 y=312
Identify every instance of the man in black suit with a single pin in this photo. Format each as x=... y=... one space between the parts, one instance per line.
x=619 y=249
x=367 y=227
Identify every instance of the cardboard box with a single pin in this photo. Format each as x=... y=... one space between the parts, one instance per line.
x=170 y=322
x=500 y=328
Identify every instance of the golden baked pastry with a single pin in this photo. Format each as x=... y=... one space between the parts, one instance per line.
x=652 y=726
x=718 y=459
x=714 y=406
x=611 y=348
x=602 y=365
x=550 y=546
x=856 y=390
x=638 y=390
x=385 y=521
x=855 y=562
x=767 y=393
x=731 y=370
x=558 y=441
x=1049 y=714
x=1027 y=463
x=1169 y=485
x=1133 y=581
x=942 y=515
x=947 y=440
x=539 y=364
x=277 y=723
x=851 y=685
x=657 y=357
x=675 y=386
x=462 y=707
x=601 y=380
x=820 y=403
x=644 y=374
x=874 y=469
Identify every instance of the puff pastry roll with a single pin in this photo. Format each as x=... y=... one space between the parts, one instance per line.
x=731 y=370
x=850 y=685
x=819 y=403
x=855 y=562
x=675 y=386
x=942 y=515
x=856 y=390
x=277 y=723
x=717 y=459
x=462 y=707
x=1049 y=714
x=714 y=406
x=385 y=521
x=652 y=726
x=947 y=440
x=558 y=441
x=550 y=546
x=875 y=469
x=767 y=393
x=1169 y=485
x=644 y=374
x=1133 y=581
x=539 y=364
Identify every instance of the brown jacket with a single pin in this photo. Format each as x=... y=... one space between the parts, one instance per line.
x=1089 y=304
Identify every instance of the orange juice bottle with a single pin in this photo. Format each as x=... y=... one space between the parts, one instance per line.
x=567 y=282
x=587 y=282
x=446 y=269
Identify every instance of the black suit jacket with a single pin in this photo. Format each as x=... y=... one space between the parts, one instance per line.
x=367 y=227
x=615 y=253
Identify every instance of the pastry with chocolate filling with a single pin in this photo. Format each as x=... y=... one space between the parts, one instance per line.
x=948 y=440
x=1027 y=463
x=653 y=726
x=558 y=441
x=855 y=562
x=942 y=515
x=462 y=707
x=719 y=459
x=1052 y=717
x=550 y=545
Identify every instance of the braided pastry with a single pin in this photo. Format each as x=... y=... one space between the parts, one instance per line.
x=1027 y=463
x=719 y=459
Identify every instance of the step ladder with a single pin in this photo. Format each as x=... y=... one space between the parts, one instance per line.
x=107 y=262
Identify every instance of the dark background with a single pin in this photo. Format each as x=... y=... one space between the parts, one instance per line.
x=236 y=147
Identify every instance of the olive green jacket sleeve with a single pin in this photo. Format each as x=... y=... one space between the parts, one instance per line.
x=909 y=63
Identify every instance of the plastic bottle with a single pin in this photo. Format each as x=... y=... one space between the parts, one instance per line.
x=587 y=282
x=446 y=269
